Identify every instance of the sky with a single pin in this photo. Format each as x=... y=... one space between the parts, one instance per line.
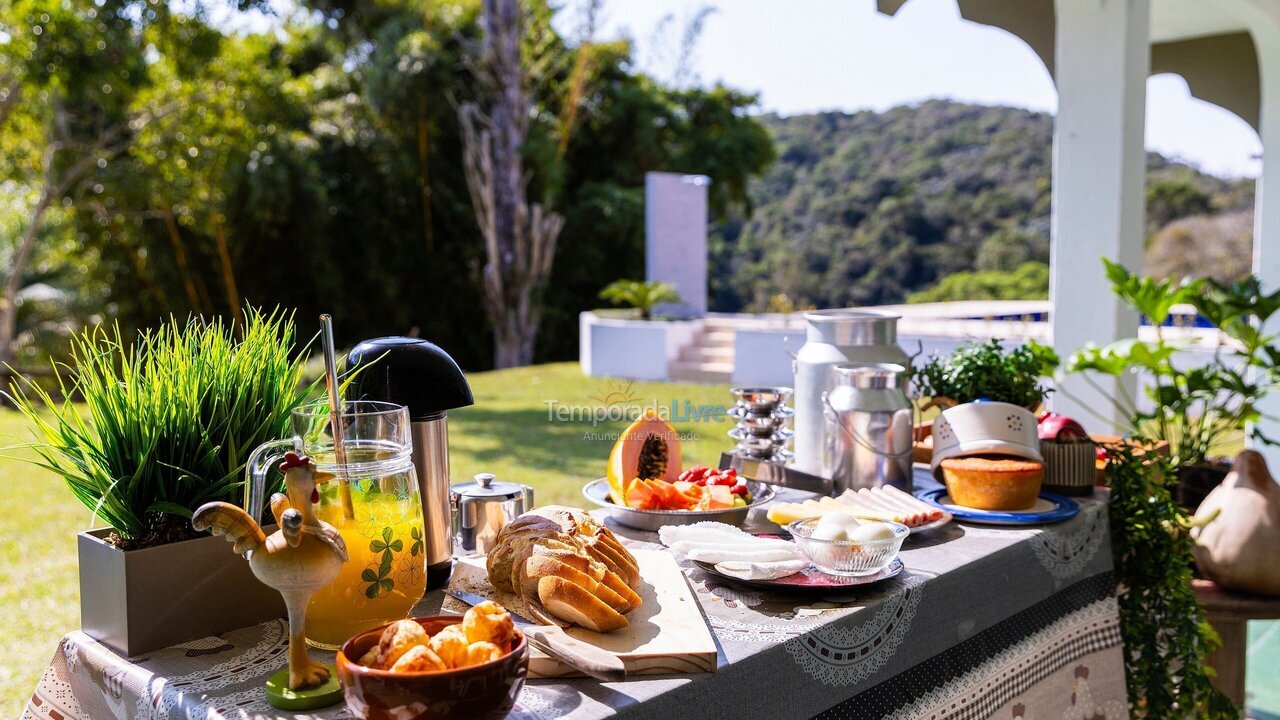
x=804 y=56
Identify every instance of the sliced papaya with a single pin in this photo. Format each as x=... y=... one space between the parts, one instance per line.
x=639 y=496
x=691 y=489
x=648 y=450
x=669 y=497
x=721 y=497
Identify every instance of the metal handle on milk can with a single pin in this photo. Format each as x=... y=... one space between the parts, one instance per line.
x=834 y=416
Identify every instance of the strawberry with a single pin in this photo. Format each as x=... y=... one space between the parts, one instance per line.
x=738 y=489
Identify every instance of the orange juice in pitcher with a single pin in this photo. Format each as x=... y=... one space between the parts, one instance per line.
x=373 y=503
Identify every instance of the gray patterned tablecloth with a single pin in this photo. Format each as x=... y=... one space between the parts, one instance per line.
x=985 y=623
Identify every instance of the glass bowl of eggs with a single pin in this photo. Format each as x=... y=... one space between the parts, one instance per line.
x=841 y=544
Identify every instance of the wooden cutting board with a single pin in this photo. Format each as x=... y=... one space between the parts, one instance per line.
x=667 y=634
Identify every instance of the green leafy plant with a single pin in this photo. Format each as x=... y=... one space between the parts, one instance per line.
x=168 y=421
x=1166 y=636
x=1192 y=408
x=985 y=370
x=642 y=296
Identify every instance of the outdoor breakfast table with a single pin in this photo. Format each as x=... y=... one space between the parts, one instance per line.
x=986 y=622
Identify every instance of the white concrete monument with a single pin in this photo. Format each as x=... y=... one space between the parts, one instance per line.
x=675 y=238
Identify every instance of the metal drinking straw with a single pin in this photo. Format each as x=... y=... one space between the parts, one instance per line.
x=335 y=413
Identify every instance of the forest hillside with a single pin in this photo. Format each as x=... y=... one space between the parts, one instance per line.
x=939 y=201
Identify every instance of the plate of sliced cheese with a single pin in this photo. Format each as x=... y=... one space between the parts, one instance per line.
x=883 y=503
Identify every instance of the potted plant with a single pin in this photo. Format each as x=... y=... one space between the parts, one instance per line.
x=979 y=371
x=166 y=425
x=1195 y=409
x=1167 y=638
x=640 y=296
x=986 y=371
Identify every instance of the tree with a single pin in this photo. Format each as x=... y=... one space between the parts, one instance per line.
x=1030 y=281
x=320 y=165
x=1213 y=246
x=1170 y=199
x=519 y=236
x=1007 y=250
x=79 y=82
x=67 y=72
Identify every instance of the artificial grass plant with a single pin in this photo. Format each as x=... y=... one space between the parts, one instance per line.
x=171 y=418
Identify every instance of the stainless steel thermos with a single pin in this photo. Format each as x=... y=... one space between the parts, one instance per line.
x=419 y=375
x=869 y=428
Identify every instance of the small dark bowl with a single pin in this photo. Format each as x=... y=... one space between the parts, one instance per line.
x=482 y=692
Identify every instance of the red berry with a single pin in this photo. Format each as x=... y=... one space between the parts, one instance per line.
x=738 y=489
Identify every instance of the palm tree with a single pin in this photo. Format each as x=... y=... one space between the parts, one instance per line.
x=643 y=296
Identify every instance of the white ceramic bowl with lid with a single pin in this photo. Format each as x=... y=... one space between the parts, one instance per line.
x=985 y=428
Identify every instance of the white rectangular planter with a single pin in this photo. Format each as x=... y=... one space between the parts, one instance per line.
x=138 y=601
x=632 y=349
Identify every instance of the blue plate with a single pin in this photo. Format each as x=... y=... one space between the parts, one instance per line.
x=1049 y=508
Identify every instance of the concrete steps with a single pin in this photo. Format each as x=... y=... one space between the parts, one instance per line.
x=716 y=338
x=707 y=353
x=708 y=358
x=700 y=372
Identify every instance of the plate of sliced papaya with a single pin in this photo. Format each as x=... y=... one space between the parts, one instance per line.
x=645 y=486
x=652 y=504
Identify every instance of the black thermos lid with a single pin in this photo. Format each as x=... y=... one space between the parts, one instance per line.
x=410 y=372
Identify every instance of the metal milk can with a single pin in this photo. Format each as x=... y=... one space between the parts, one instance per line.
x=868 y=428
x=835 y=337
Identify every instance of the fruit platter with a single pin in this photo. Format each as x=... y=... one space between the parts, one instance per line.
x=653 y=517
x=646 y=488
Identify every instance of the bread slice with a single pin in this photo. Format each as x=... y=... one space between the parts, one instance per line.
x=611 y=560
x=574 y=604
x=607 y=540
x=540 y=566
x=577 y=560
x=614 y=582
x=596 y=571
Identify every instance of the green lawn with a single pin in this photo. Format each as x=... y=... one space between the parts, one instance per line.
x=511 y=430
x=39 y=594
x=507 y=432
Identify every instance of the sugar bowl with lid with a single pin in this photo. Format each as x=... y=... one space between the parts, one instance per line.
x=482 y=507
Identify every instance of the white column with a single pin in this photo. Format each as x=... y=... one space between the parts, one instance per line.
x=675 y=237
x=1266 y=229
x=1102 y=58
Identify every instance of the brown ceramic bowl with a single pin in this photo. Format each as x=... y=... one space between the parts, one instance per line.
x=480 y=692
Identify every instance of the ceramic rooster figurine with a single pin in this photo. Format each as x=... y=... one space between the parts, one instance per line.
x=304 y=555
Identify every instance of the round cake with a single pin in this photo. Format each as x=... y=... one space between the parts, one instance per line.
x=992 y=482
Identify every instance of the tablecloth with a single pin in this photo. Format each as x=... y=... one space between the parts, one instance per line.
x=986 y=622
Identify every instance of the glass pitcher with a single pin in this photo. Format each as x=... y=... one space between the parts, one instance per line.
x=378 y=513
